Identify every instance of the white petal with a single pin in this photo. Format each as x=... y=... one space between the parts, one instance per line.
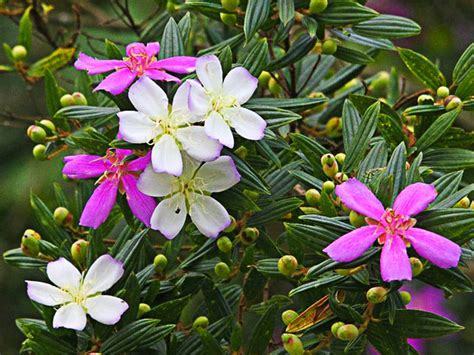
x=209 y=72
x=248 y=124
x=217 y=128
x=136 y=127
x=47 y=294
x=105 y=309
x=102 y=275
x=70 y=316
x=197 y=144
x=190 y=165
x=157 y=184
x=166 y=157
x=181 y=112
x=240 y=84
x=147 y=97
x=209 y=216
x=64 y=275
x=199 y=102
x=169 y=216
x=218 y=175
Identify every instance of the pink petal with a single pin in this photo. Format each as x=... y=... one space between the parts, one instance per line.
x=394 y=262
x=100 y=204
x=180 y=65
x=97 y=66
x=439 y=250
x=139 y=163
x=117 y=82
x=414 y=198
x=157 y=74
x=353 y=244
x=84 y=166
x=135 y=48
x=152 y=49
x=356 y=196
x=141 y=205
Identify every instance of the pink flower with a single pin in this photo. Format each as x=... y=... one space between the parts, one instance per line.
x=394 y=229
x=140 y=61
x=116 y=174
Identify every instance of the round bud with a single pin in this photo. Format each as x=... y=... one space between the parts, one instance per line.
x=142 y=309
x=312 y=197
x=19 y=52
x=340 y=157
x=347 y=332
x=463 y=203
x=340 y=178
x=222 y=270
x=241 y=152
x=292 y=344
x=274 y=87
x=37 y=134
x=224 y=244
x=331 y=170
x=335 y=327
x=317 y=6
x=288 y=316
x=250 y=235
x=79 y=251
x=230 y=5
x=201 y=322
x=30 y=243
x=425 y=100
x=380 y=83
x=356 y=219
x=49 y=124
x=334 y=127
x=79 y=99
x=442 y=92
x=67 y=100
x=160 y=262
x=39 y=152
x=328 y=186
x=62 y=216
x=228 y=19
x=376 y=295
x=471 y=206
x=287 y=265
x=406 y=297
x=416 y=266
x=264 y=78
x=329 y=47
x=232 y=225
x=451 y=102
x=327 y=159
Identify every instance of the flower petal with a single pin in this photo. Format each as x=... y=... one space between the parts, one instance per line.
x=209 y=216
x=97 y=66
x=439 y=250
x=218 y=175
x=240 y=84
x=135 y=48
x=136 y=127
x=140 y=163
x=180 y=108
x=209 y=73
x=170 y=215
x=356 y=196
x=217 y=128
x=160 y=75
x=179 y=64
x=70 y=316
x=117 y=82
x=353 y=244
x=141 y=205
x=190 y=165
x=148 y=98
x=106 y=309
x=394 y=261
x=157 y=184
x=414 y=198
x=47 y=294
x=197 y=144
x=166 y=157
x=100 y=204
x=199 y=102
x=152 y=49
x=64 y=274
x=248 y=124
x=84 y=166
x=102 y=275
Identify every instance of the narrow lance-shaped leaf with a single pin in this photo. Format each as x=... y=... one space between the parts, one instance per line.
x=437 y=129
x=286 y=10
x=388 y=26
x=422 y=68
x=255 y=15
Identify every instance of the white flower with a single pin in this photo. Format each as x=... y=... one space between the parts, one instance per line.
x=78 y=295
x=189 y=193
x=170 y=130
x=218 y=101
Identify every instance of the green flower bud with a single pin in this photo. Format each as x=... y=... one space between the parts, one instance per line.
x=79 y=99
x=142 y=309
x=406 y=297
x=224 y=244
x=241 y=152
x=49 y=124
x=62 y=216
x=67 y=100
x=377 y=295
x=452 y=102
x=347 y=332
x=274 y=87
x=39 y=152
x=380 y=83
x=249 y=235
x=160 y=261
x=425 y=100
x=471 y=206
x=334 y=127
x=340 y=157
x=328 y=159
x=19 y=53
x=30 y=243
x=328 y=187
x=230 y=5
x=442 y=92
x=416 y=266
x=222 y=270
x=228 y=19
x=331 y=170
x=463 y=203
x=356 y=219
x=340 y=178
x=312 y=197
x=36 y=134
x=79 y=251
x=287 y=265
x=317 y=6
x=335 y=327
x=329 y=47
x=292 y=344
x=309 y=210
x=288 y=316
x=232 y=225
x=264 y=78
x=201 y=322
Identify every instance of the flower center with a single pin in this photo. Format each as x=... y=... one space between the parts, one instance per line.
x=117 y=168
x=220 y=102
x=394 y=224
x=139 y=62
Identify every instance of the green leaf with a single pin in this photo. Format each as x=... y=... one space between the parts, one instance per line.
x=316 y=238
x=170 y=311
x=15 y=257
x=345 y=12
x=465 y=65
x=413 y=174
x=185 y=25
x=352 y=55
x=374 y=161
x=307 y=179
x=130 y=252
x=452 y=223
x=225 y=57
x=385 y=340
x=256 y=60
x=351 y=36
x=350 y=123
x=297 y=51
x=112 y=51
x=85 y=113
x=451 y=280
x=210 y=344
x=323 y=281
x=437 y=129
x=388 y=26
x=231 y=42
x=422 y=68
x=25 y=28
x=256 y=14
x=129 y=337
x=56 y=60
x=453 y=198
x=275 y=117
x=249 y=176
x=53 y=93
x=275 y=210
x=298 y=104
x=286 y=10
x=424 y=109
x=466 y=87
x=262 y=332
x=410 y=323
x=446 y=185
x=171 y=42
x=448 y=159
x=397 y=168
x=311 y=25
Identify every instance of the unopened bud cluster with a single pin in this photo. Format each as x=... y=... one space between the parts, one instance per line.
x=287 y=265
x=345 y=332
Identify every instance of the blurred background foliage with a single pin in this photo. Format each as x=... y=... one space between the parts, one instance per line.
x=448 y=29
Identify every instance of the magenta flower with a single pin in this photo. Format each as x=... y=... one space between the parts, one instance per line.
x=140 y=61
x=394 y=229
x=116 y=174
